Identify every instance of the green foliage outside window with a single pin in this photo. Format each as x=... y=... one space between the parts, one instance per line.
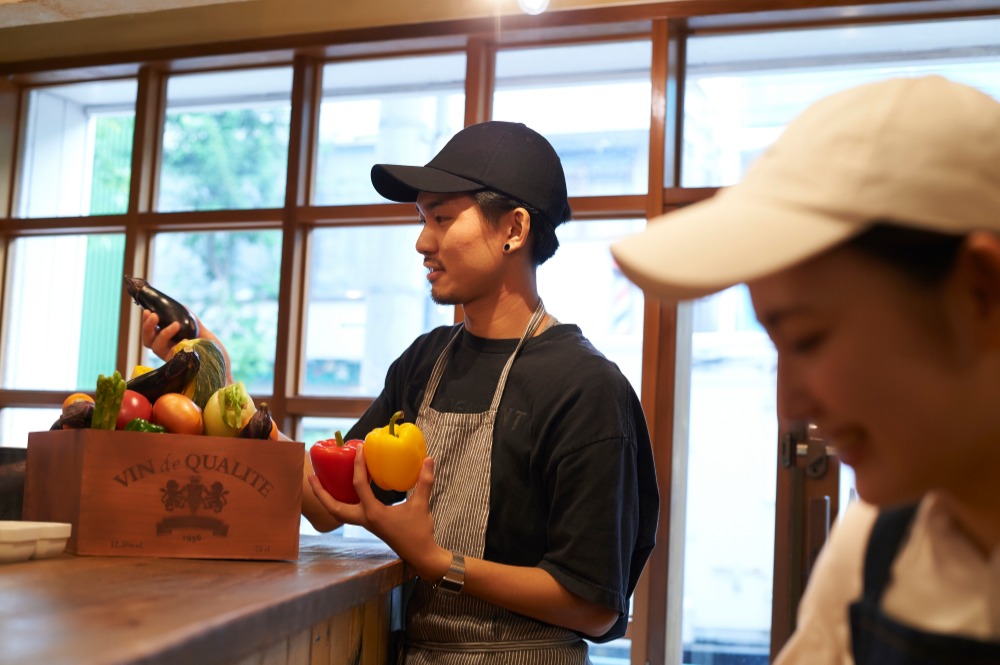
x=235 y=290
x=226 y=160
x=112 y=165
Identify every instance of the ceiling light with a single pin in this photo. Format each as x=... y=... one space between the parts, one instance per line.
x=533 y=7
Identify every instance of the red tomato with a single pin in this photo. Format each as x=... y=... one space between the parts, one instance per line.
x=134 y=405
x=333 y=462
x=178 y=414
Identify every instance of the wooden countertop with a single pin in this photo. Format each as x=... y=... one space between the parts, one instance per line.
x=95 y=609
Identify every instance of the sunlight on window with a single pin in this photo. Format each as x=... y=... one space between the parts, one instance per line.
x=394 y=111
x=78 y=150
x=61 y=320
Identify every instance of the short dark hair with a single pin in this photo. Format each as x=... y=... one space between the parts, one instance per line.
x=925 y=257
x=543 y=230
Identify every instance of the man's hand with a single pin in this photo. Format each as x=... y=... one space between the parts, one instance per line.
x=159 y=341
x=406 y=527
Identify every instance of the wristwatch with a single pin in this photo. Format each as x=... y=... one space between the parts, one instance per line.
x=454 y=579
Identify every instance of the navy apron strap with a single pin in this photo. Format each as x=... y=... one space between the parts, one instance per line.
x=887 y=535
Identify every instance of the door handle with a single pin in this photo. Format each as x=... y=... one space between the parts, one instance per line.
x=796 y=444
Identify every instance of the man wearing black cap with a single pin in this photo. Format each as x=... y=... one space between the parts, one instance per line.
x=544 y=503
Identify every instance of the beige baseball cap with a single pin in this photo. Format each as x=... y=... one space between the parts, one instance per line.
x=921 y=152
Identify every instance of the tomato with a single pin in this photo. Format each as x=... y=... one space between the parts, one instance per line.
x=134 y=405
x=178 y=414
x=76 y=397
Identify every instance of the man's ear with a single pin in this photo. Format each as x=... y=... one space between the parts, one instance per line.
x=518 y=223
x=980 y=265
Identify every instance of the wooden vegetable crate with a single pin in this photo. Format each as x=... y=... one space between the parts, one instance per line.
x=167 y=495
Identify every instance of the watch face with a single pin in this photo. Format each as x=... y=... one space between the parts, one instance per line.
x=451 y=586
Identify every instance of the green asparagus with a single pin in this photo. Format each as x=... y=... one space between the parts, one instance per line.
x=108 y=400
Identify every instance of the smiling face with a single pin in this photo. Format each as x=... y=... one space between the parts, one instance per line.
x=462 y=252
x=899 y=378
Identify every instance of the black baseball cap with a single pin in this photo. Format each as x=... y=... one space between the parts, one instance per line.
x=507 y=157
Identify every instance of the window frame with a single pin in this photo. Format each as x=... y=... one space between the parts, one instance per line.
x=655 y=625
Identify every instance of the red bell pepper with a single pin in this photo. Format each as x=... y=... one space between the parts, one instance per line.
x=333 y=462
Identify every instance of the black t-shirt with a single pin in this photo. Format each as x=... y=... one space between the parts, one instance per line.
x=573 y=487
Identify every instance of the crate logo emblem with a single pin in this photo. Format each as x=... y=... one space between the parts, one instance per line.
x=195 y=497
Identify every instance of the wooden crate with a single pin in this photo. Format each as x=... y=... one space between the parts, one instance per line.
x=167 y=495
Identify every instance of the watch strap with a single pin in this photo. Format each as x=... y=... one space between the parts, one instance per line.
x=454 y=579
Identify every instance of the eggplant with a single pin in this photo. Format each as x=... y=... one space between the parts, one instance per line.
x=171 y=377
x=77 y=415
x=165 y=307
x=259 y=425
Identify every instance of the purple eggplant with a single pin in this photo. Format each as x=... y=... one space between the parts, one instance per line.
x=171 y=377
x=165 y=307
x=259 y=425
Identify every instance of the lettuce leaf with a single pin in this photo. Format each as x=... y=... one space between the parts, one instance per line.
x=232 y=399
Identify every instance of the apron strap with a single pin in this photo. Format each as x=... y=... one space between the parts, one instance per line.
x=888 y=533
x=532 y=326
x=438 y=371
x=442 y=361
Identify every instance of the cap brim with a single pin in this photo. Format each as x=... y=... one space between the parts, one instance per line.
x=726 y=240
x=404 y=183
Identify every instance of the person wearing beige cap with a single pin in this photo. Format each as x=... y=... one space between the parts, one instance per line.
x=869 y=238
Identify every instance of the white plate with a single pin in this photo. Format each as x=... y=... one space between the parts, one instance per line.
x=20 y=541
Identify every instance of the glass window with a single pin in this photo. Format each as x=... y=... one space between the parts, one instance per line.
x=78 y=150
x=318 y=429
x=61 y=318
x=229 y=280
x=729 y=541
x=591 y=102
x=368 y=299
x=16 y=423
x=225 y=140
x=398 y=111
x=742 y=89
x=581 y=284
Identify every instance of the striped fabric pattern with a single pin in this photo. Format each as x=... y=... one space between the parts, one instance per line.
x=463 y=630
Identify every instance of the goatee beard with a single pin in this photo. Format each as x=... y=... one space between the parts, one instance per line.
x=444 y=300
x=441 y=299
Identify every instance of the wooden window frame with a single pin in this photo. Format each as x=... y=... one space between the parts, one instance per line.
x=655 y=626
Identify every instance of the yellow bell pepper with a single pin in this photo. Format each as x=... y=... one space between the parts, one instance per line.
x=394 y=454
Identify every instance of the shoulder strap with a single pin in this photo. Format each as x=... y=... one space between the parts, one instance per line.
x=888 y=533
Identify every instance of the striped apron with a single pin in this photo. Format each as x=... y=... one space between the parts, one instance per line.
x=463 y=630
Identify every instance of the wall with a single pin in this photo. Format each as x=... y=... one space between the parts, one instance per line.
x=245 y=20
